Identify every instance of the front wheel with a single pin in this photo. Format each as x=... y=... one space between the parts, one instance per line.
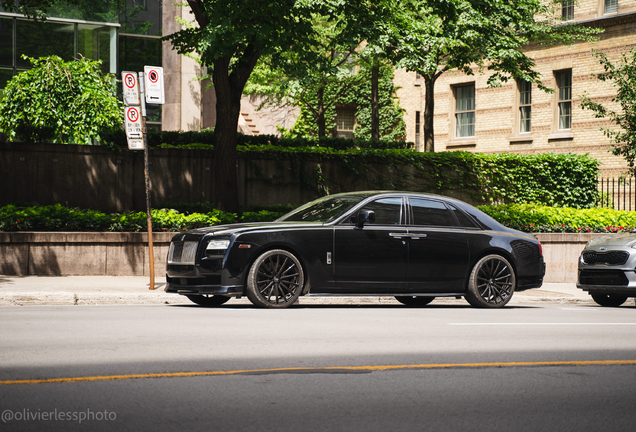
x=275 y=280
x=208 y=300
x=609 y=300
x=414 y=301
x=492 y=282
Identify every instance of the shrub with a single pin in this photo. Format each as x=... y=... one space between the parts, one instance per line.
x=537 y=218
x=58 y=101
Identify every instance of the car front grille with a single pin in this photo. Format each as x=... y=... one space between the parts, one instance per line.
x=603 y=277
x=607 y=258
x=182 y=252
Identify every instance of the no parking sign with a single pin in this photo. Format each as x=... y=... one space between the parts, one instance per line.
x=153 y=80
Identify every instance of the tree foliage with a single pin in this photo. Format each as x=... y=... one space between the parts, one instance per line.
x=623 y=76
x=229 y=37
x=57 y=101
x=432 y=37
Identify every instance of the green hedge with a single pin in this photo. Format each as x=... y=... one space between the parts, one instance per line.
x=204 y=139
x=59 y=218
x=536 y=218
x=524 y=217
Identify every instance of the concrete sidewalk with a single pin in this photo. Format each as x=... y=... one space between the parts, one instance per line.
x=97 y=290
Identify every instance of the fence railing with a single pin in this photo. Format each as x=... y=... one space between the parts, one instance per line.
x=617 y=192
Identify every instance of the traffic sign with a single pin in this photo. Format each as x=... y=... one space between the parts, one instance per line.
x=134 y=135
x=131 y=88
x=153 y=83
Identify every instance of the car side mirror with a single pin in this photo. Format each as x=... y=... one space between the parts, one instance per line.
x=363 y=216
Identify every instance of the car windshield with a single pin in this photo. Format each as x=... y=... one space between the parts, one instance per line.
x=323 y=210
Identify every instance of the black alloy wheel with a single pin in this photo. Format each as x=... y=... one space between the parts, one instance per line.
x=609 y=300
x=208 y=300
x=492 y=282
x=414 y=301
x=275 y=280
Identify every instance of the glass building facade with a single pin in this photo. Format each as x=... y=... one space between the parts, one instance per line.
x=123 y=34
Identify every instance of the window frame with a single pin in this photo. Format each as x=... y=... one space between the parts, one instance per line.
x=567 y=10
x=562 y=101
x=455 y=124
x=611 y=3
x=521 y=104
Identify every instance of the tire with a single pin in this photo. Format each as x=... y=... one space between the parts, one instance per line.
x=609 y=300
x=492 y=282
x=208 y=300
x=414 y=301
x=275 y=280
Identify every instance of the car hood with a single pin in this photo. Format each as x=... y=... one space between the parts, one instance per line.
x=227 y=230
x=624 y=239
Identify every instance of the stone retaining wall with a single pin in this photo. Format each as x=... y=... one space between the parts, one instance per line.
x=126 y=254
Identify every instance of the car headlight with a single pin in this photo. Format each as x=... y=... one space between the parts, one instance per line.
x=218 y=245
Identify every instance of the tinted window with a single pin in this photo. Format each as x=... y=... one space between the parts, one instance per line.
x=464 y=220
x=322 y=210
x=434 y=213
x=387 y=210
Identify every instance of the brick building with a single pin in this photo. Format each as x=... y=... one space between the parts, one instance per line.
x=523 y=119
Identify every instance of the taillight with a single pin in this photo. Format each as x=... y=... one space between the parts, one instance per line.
x=540 y=248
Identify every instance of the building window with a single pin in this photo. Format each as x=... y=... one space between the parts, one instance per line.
x=465 y=111
x=525 y=106
x=345 y=122
x=417 y=130
x=611 y=6
x=564 y=85
x=567 y=10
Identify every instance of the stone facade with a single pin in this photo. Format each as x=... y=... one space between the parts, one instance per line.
x=497 y=110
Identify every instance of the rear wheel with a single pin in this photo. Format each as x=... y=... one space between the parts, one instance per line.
x=492 y=282
x=208 y=300
x=275 y=280
x=609 y=300
x=414 y=301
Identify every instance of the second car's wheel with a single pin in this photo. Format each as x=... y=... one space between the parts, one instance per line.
x=414 y=301
x=275 y=280
x=609 y=300
x=492 y=282
x=209 y=300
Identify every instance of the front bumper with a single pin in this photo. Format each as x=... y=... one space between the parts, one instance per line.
x=610 y=281
x=194 y=286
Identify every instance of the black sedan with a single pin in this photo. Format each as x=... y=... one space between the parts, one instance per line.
x=409 y=245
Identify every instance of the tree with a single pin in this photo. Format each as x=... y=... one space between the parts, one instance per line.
x=37 y=9
x=435 y=36
x=229 y=37
x=64 y=102
x=623 y=77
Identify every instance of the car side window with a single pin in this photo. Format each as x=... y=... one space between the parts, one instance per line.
x=431 y=213
x=463 y=219
x=388 y=211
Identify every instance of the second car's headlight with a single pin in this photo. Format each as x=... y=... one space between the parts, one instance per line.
x=218 y=245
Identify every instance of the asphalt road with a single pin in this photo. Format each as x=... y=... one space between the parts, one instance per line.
x=318 y=367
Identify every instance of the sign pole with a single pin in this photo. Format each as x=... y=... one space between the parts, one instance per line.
x=151 y=257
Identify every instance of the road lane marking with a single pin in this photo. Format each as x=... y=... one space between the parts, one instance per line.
x=332 y=369
x=543 y=324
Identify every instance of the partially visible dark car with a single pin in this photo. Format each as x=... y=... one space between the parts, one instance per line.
x=412 y=246
x=607 y=268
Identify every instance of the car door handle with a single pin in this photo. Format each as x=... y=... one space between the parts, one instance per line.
x=398 y=235
x=417 y=236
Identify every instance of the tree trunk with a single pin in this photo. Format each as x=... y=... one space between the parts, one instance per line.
x=322 y=127
x=429 y=112
x=228 y=107
x=375 y=104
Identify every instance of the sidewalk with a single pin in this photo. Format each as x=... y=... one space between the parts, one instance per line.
x=99 y=290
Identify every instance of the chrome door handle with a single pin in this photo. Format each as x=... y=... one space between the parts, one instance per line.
x=417 y=236
x=398 y=235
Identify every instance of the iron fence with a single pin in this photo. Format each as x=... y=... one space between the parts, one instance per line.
x=617 y=192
